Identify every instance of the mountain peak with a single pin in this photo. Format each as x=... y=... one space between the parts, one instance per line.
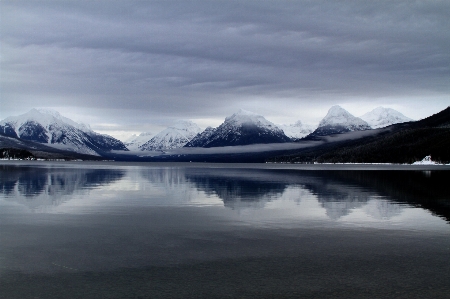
x=338 y=120
x=182 y=124
x=382 y=117
x=243 y=115
x=146 y=134
x=336 y=108
x=50 y=127
x=175 y=136
x=339 y=116
x=48 y=111
x=245 y=112
x=297 y=130
x=241 y=128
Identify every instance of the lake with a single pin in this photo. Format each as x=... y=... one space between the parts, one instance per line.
x=188 y=230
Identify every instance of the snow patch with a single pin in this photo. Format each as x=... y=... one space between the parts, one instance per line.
x=426 y=161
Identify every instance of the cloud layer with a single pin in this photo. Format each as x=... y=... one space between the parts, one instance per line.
x=150 y=62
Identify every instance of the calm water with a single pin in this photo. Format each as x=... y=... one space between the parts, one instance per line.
x=80 y=230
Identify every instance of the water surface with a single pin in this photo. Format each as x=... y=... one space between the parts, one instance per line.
x=117 y=230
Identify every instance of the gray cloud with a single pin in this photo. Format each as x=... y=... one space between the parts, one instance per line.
x=153 y=62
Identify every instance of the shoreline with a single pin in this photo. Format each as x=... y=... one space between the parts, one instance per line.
x=287 y=166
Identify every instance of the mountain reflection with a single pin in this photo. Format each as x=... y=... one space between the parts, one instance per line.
x=426 y=190
x=380 y=194
x=35 y=187
x=168 y=177
x=238 y=188
x=377 y=194
x=382 y=209
x=337 y=198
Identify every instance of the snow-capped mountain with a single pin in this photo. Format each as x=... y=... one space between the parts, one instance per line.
x=382 y=117
x=135 y=141
x=338 y=120
x=53 y=129
x=201 y=138
x=173 y=137
x=242 y=128
x=297 y=130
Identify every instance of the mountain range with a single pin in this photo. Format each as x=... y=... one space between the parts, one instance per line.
x=245 y=127
x=48 y=131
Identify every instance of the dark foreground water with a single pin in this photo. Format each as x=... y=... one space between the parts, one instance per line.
x=79 y=230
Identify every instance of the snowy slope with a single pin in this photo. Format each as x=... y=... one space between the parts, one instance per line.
x=244 y=128
x=173 y=137
x=338 y=120
x=135 y=141
x=55 y=130
x=382 y=117
x=201 y=138
x=296 y=131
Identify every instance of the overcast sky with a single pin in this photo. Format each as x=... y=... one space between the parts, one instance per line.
x=131 y=66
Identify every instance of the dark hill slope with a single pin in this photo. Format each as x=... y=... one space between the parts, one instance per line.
x=39 y=150
x=439 y=120
x=401 y=143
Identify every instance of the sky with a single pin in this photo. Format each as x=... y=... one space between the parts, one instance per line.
x=126 y=67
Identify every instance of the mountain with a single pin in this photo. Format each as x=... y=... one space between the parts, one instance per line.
x=51 y=128
x=10 y=146
x=337 y=121
x=297 y=130
x=399 y=143
x=382 y=117
x=201 y=138
x=173 y=137
x=242 y=128
x=135 y=141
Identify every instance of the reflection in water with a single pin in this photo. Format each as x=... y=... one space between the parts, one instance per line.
x=177 y=232
x=428 y=190
x=39 y=187
x=338 y=199
x=238 y=188
x=336 y=192
x=382 y=209
x=170 y=178
x=379 y=194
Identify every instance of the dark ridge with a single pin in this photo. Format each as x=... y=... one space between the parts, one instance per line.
x=440 y=119
x=399 y=143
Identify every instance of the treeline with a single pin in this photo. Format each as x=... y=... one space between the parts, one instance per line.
x=14 y=153
x=400 y=147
